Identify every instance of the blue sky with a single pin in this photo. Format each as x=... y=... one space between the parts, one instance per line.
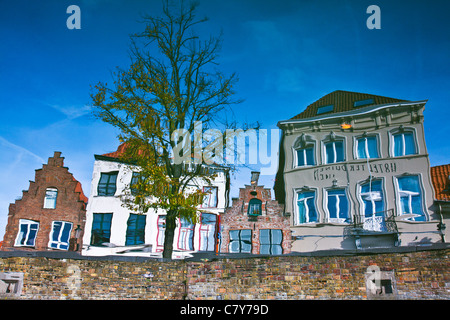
x=287 y=55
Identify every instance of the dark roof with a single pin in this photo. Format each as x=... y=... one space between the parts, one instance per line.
x=441 y=181
x=344 y=101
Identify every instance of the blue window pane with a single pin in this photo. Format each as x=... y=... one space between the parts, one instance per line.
x=410 y=147
x=310 y=156
x=312 y=210
x=32 y=234
x=360 y=103
x=329 y=152
x=362 y=149
x=398 y=145
x=325 y=109
x=409 y=183
x=339 y=151
x=332 y=207
x=372 y=147
x=56 y=230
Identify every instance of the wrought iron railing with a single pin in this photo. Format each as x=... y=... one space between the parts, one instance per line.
x=379 y=222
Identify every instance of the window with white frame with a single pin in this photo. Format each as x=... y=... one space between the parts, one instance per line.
x=334 y=148
x=337 y=205
x=306 y=208
x=51 y=194
x=410 y=197
x=367 y=147
x=161 y=232
x=305 y=156
x=60 y=235
x=210 y=198
x=371 y=194
x=240 y=241
x=403 y=143
x=373 y=205
x=208 y=232
x=26 y=236
x=186 y=235
x=304 y=148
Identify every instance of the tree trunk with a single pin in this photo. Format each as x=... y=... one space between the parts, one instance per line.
x=169 y=234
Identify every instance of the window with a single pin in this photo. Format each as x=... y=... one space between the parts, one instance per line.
x=60 y=235
x=325 y=109
x=372 y=198
x=306 y=208
x=338 y=208
x=186 y=235
x=101 y=229
x=26 y=236
x=208 y=232
x=305 y=156
x=107 y=184
x=404 y=144
x=270 y=241
x=134 y=183
x=210 y=199
x=373 y=206
x=135 y=229
x=50 y=198
x=361 y=103
x=161 y=233
x=410 y=197
x=240 y=241
x=254 y=207
x=334 y=151
x=367 y=147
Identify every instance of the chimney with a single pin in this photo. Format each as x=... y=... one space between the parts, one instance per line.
x=254 y=178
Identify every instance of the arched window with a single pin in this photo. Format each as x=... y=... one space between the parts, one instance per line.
x=254 y=207
x=50 y=198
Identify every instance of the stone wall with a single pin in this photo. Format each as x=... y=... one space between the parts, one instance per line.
x=416 y=274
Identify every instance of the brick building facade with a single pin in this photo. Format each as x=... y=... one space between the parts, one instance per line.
x=51 y=213
x=255 y=223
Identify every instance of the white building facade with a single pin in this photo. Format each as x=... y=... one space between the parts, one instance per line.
x=113 y=229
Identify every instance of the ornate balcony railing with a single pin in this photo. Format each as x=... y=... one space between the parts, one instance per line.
x=380 y=222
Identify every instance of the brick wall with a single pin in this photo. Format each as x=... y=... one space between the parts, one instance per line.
x=418 y=275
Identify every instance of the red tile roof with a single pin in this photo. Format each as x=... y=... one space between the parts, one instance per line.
x=343 y=101
x=440 y=179
x=116 y=154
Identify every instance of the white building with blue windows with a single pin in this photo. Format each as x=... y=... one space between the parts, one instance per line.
x=354 y=173
x=113 y=229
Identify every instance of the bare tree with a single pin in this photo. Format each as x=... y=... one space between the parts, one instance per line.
x=172 y=84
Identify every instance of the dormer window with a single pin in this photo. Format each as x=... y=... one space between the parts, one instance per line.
x=361 y=103
x=325 y=109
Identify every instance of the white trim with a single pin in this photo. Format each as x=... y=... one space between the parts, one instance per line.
x=397 y=131
x=26 y=222
x=398 y=197
x=58 y=243
x=359 y=111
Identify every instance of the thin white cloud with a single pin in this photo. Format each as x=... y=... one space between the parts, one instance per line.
x=21 y=150
x=71 y=112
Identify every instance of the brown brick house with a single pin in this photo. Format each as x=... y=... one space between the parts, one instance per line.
x=255 y=223
x=51 y=213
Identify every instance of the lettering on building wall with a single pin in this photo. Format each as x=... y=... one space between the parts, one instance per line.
x=329 y=172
